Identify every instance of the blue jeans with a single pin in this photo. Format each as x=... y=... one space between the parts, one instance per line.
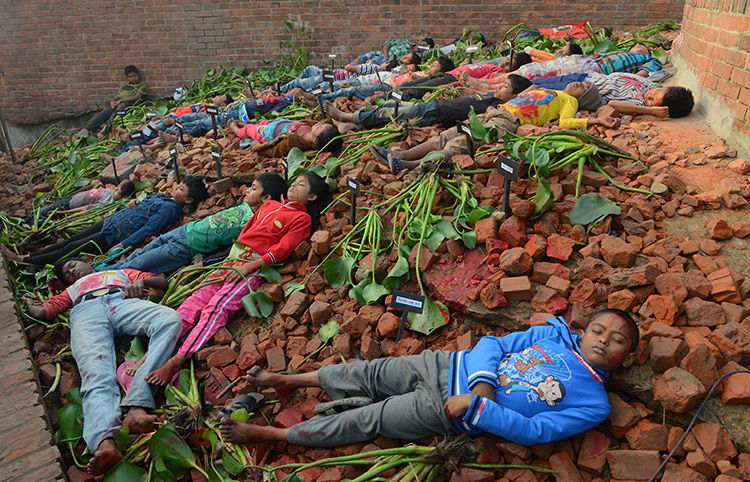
x=309 y=78
x=166 y=253
x=426 y=112
x=375 y=55
x=94 y=324
x=361 y=92
x=199 y=123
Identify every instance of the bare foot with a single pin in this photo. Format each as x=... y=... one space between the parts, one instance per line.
x=238 y=432
x=81 y=133
x=131 y=371
x=163 y=375
x=18 y=258
x=262 y=378
x=139 y=421
x=334 y=113
x=105 y=457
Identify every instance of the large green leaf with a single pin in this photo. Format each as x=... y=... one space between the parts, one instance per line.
x=592 y=208
x=480 y=212
x=434 y=316
x=135 y=351
x=125 y=472
x=170 y=452
x=447 y=229
x=469 y=239
x=231 y=465
x=398 y=275
x=292 y=287
x=338 y=271
x=373 y=292
x=270 y=273
x=434 y=240
x=257 y=304
x=295 y=162
x=74 y=397
x=328 y=330
x=543 y=199
x=70 y=420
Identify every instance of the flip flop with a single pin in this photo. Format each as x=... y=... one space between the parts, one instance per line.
x=249 y=401
x=126 y=380
x=341 y=405
x=379 y=152
x=394 y=163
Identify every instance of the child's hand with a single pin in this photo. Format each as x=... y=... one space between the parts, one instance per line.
x=247 y=268
x=133 y=203
x=606 y=121
x=135 y=290
x=456 y=406
x=662 y=112
x=36 y=311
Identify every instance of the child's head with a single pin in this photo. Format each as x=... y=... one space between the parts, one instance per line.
x=640 y=49
x=132 y=74
x=570 y=48
x=678 y=99
x=324 y=135
x=190 y=192
x=125 y=189
x=222 y=100
x=72 y=269
x=427 y=42
x=441 y=64
x=610 y=340
x=587 y=94
x=411 y=59
x=267 y=185
x=519 y=59
x=311 y=190
x=518 y=83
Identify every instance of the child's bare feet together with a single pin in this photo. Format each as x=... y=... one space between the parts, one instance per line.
x=106 y=456
x=163 y=375
x=263 y=378
x=139 y=421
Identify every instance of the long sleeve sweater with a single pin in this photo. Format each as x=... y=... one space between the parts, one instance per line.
x=544 y=389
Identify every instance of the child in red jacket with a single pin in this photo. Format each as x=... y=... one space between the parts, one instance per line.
x=269 y=237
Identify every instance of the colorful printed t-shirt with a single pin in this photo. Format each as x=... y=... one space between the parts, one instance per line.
x=540 y=106
x=218 y=230
x=571 y=64
x=626 y=61
x=268 y=130
x=92 y=197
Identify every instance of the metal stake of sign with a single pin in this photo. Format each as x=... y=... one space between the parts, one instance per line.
x=114 y=171
x=509 y=43
x=250 y=86
x=136 y=136
x=471 y=50
x=285 y=166
x=317 y=92
x=466 y=130
x=333 y=59
x=510 y=170
x=181 y=128
x=397 y=96
x=328 y=77
x=173 y=153
x=354 y=188
x=408 y=303
x=216 y=155
x=213 y=111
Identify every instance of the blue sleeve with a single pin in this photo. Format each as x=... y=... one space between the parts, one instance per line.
x=652 y=65
x=550 y=426
x=154 y=225
x=559 y=82
x=482 y=361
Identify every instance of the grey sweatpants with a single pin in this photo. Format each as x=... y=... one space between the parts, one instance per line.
x=409 y=393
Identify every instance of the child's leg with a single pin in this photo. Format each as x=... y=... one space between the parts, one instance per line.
x=95 y=244
x=92 y=343
x=166 y=253
x=136 y=317
x=93 y=229
x=222 y=305
x=99 y=119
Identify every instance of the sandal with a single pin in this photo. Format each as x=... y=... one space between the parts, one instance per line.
x=394 y=164
x=338 y=406
x=380 y=153
x=249 y=401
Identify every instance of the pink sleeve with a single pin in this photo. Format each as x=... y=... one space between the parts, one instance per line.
x=250 y=130
x=134 y=275
x=57 y=304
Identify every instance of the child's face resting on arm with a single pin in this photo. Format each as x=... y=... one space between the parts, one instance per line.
x=181 y=194
x=256 y=195
x=608 y=343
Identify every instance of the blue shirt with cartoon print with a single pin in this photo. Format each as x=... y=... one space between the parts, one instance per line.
x=544 y=389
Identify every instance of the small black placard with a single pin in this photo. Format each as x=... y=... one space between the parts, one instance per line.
x=212 y=110
x=397 y=95
x=150 y=115
x=120 y=112
x=216 y=152
x=405 y=301
x=466 y=129
x=136 y=135
x=353 y=185
x=328 y=76
x=508 y=168
x=317 y=91
x=172 y=151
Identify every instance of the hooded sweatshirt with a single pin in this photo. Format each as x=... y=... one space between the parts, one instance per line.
x=544 y=389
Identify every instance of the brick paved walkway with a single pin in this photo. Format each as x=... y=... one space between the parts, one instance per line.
x=27 y=452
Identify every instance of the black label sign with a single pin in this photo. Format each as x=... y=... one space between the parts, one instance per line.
x=423 y=47
x=472 y=49
x=120 y=112
x=328 y=76
x=179 y=126
x=508 y=168
x=147 y=131
x=136 y=135
x=353 y=185
x=317 y=91
x=466 y=129
x=411 y=302
x=150 y=115
x=212 y=110
x=397 y=95
x=216 y=152
x=172 y=151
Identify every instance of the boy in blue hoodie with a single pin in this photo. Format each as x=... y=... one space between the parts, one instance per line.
x=540 y=385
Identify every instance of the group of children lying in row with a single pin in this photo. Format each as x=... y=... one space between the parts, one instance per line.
x=541 y=385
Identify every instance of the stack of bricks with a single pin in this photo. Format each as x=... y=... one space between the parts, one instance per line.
x=62 y=58
x=715 y=46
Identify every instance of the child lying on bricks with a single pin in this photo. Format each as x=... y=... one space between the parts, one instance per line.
x=540 y=385
x=106 y=305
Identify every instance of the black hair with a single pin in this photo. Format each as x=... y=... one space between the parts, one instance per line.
x=132 y=68
x=415 y=59
x=648 y=50
x=127 y=188
x=229 y=99
x=429 y=41
x=393 y=63
x=679 y=100
x=519 y=83
x=273 y=184
x=319 y=187
x=58 y=268
x=196 y=190
x=327 y=141
x=521 y=58
x=446 y=64
x=632 y=326
x=574 y=49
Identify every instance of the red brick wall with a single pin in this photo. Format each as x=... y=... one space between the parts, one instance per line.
x=63 y=57
x=715 y=48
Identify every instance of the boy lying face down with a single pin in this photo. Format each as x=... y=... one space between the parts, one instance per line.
x=540 y=385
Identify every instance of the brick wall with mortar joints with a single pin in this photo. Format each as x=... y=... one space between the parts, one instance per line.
x=715 y=46
x=62 y=58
